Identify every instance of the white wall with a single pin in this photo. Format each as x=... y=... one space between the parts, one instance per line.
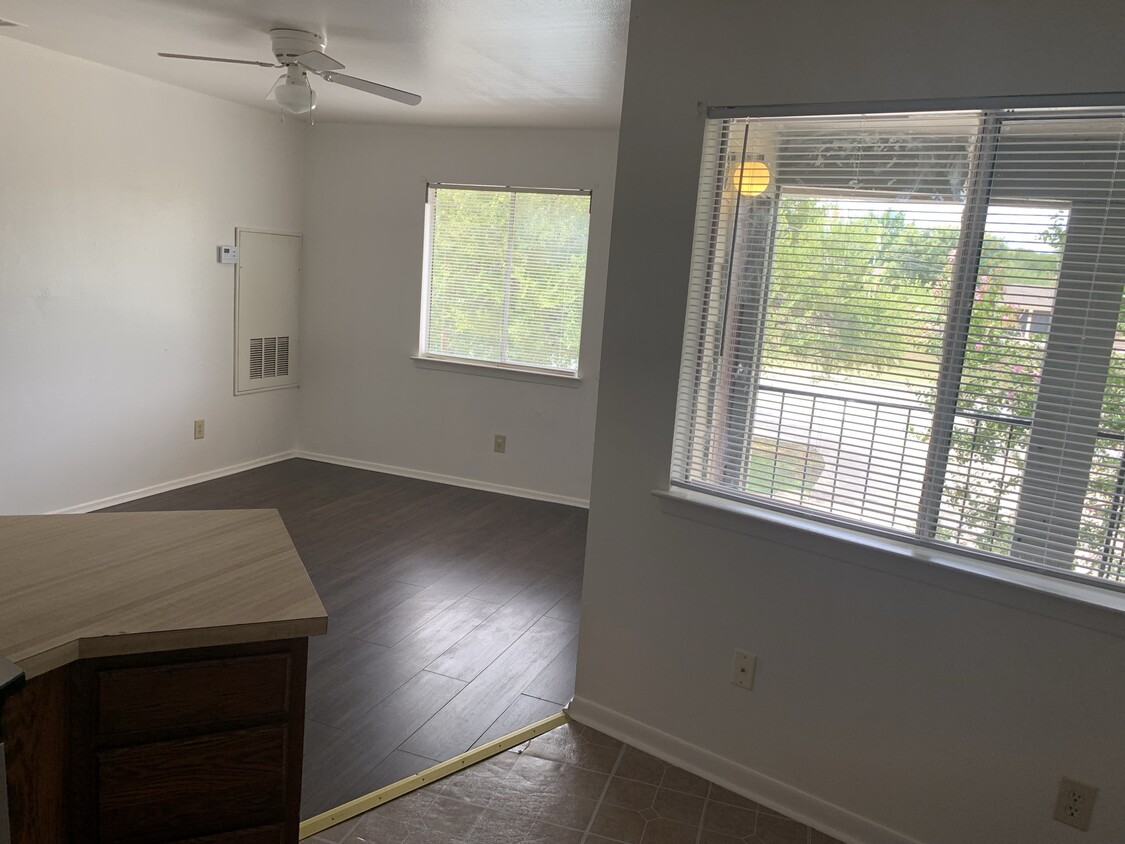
x=116 y=321
x=894 y=701
x=364 y=400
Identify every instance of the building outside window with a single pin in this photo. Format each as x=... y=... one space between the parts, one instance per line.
x=911 y=323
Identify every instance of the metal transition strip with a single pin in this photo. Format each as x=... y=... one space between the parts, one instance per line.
x=458 y=763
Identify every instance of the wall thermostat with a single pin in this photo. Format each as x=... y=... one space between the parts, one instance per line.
x=228 y=254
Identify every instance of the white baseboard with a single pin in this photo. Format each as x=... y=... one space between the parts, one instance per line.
x=176 y=484
x=779 y=796
x=452 y=480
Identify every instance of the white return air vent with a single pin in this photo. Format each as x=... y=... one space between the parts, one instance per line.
x=268 y=291
x=269 y=357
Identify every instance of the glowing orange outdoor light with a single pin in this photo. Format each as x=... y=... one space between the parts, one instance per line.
x=751 y=177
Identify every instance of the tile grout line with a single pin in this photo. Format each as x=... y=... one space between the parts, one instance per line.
x=486 y=807
x=354 y=826
x=601 y=797
x=702 y=817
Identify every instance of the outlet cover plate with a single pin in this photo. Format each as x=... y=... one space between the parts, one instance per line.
x=742 y=670
x=1075 y=804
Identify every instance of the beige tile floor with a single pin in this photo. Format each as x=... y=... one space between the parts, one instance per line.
x=572 y=785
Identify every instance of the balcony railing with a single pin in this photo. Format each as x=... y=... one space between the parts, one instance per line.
x=863 y=457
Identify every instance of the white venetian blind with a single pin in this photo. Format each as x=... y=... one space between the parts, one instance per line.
x=506 y=270
x=913 y=323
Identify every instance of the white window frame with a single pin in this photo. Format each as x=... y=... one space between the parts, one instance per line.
x=685 y=499
x=483 y=366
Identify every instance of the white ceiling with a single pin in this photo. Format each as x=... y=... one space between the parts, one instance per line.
x=556 y=63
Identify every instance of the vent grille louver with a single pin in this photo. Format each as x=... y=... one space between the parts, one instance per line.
x=282 y=356
x=256 y=357
x=269 y=357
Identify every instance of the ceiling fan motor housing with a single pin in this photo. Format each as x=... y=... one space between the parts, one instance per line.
x=288 y=44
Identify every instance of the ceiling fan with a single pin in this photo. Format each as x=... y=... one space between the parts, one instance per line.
x=301 y=53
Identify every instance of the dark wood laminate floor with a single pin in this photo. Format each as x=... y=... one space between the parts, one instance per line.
x=453 y=614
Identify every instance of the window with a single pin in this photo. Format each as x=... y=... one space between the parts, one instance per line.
x=505 y=270
x=912 y=323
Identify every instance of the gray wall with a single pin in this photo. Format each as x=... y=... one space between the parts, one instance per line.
x=896 y=700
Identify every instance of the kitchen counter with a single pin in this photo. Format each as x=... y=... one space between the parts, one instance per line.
x=105 y=584
x=166 y=657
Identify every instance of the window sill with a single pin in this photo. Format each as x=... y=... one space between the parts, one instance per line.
x=497 y=370
x=1066 y=600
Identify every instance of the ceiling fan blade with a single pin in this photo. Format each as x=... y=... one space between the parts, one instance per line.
x=214 y=59
x=372 y=88
x=318 y=62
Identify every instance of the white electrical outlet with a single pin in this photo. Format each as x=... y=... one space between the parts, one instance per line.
x=199 y=429
x=499 y=443
x=742 y=671
x=1075 y=804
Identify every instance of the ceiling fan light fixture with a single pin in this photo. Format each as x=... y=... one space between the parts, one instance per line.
x=302 y=53
x=295 y=97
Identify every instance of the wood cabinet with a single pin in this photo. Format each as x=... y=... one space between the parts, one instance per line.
x=165 y=655
x=199 y=746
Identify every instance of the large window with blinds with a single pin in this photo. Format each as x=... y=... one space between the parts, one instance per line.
x=912 y=323
x=505 y=271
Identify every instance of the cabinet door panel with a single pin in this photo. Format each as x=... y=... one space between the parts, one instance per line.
x=192 y=787
x=193 y=694
x=38 y=753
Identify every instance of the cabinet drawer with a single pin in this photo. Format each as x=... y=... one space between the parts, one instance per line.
x=193 y=694
x=192 y=787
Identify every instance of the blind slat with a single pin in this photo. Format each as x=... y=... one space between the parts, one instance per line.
x=822 y=320
x=506 y=270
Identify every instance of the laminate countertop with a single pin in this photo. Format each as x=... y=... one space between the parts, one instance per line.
x=104 y=584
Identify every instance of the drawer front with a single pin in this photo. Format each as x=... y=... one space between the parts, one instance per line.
x=192 y=787
x=193 y=694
